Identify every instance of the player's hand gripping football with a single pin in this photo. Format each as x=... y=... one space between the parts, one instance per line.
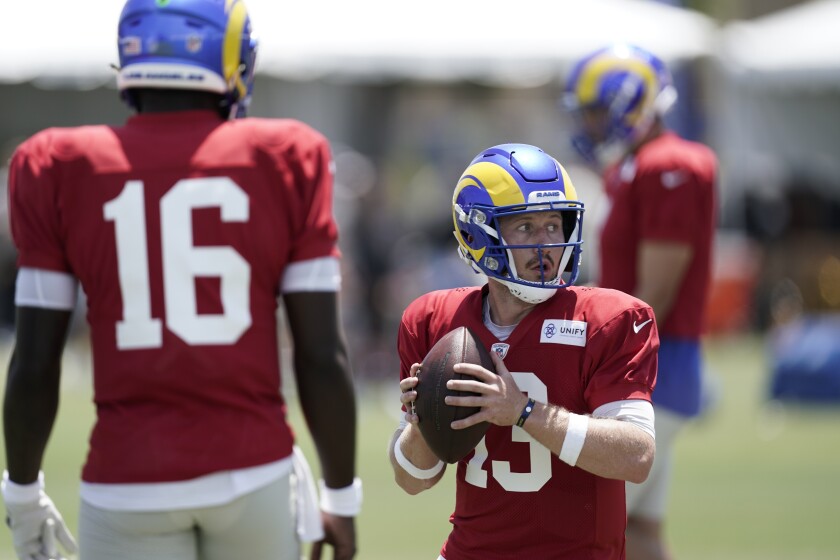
x=37 y=526
x=500 y=399
x=408 y=395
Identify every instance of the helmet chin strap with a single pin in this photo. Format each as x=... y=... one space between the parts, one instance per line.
x=528 y=294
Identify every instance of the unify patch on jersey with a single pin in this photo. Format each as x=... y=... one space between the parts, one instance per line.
x=562 y=331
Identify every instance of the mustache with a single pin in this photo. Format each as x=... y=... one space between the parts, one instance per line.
x=536 y=262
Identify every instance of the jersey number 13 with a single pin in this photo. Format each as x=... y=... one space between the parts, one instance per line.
x=540 y=456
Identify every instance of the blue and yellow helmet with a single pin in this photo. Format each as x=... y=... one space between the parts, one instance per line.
x=512 y=179
x=203 y=45
x=631 y=86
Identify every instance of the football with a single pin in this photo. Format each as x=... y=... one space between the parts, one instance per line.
x=457 y=346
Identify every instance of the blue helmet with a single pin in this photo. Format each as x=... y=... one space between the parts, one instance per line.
x=203 y=45
x=512 y=179
x=631 y=86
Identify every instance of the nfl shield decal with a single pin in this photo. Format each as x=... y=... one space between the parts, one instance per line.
x=501 y=349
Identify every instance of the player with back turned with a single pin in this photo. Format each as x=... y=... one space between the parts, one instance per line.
x=570 y=407
x=182 y=227
x=656 y=241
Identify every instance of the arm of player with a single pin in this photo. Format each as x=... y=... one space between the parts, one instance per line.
x=611 y=449
x=328 y=401
x=412 y=445
x=32 y=388
x=655 y=288
x=29 y=411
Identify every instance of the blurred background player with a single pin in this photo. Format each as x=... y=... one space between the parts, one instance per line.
x=655 y=244
x=570 y=406
x=182 y=227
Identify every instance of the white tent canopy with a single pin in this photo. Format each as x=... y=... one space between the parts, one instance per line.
x=777 y=123
x=492 y=41
x=799 y=45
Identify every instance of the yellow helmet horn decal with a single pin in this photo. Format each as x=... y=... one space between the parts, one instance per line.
x=232 y=48
x=593 y=74
x=466 y=180
x=498 y=183
x=568 y=188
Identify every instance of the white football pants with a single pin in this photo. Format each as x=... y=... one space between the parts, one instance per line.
x=257 y=526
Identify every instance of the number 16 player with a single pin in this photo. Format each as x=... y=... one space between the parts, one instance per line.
x=182 y=227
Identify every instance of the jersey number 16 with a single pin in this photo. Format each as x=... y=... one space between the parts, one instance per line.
x=182 y=263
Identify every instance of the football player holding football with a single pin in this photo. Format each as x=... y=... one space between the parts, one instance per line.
x=575 y=367
x=656 y=241
x=182 y=227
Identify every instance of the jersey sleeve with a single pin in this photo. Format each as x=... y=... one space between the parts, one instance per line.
x=622 y=358
x=45 y=289
x=34 y=213
x=410 y=345
x=314 y=275
x=318 y=234
x=667 y=205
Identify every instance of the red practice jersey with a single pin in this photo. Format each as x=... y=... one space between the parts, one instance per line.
x=179 y=227
x=582 y=348
x=665 y=194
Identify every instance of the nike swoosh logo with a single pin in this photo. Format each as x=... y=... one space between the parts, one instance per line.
x=673 y=179
x=637 y=328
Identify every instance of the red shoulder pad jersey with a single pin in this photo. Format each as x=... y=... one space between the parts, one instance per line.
x=669 y=198
x=582 y=348
x=179 y=228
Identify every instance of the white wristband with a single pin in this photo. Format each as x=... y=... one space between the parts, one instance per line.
x=575 y=436
x=14 y=493
x=420 y=474
x=346 y=502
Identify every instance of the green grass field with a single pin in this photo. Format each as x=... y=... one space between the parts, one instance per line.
x=751 y=482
